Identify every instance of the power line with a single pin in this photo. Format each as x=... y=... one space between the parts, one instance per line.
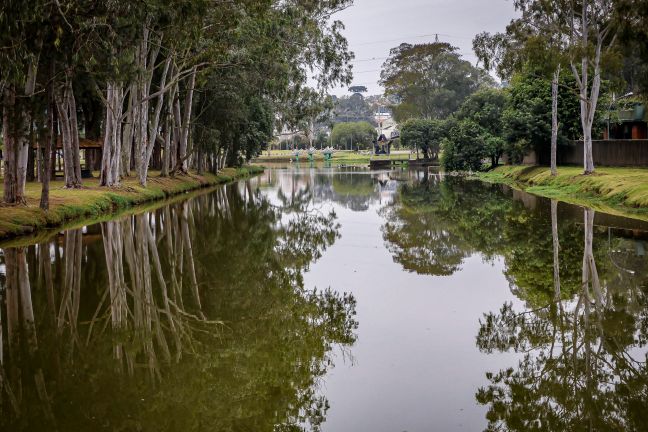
x=368 y=59
x=412 y=37
x=366 y=71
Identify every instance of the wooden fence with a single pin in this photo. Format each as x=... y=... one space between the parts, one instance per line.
x=606 y=153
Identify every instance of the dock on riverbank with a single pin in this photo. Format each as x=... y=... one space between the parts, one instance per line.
x=619 y=191
x=92 y=201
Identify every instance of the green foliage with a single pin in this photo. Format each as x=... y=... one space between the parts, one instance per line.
x=352 y=108
x=485 y=108
x=527 y=118
x=428 y=80
x=358 y=134
x=425 y=135
x=464 y=148
x=632 y=18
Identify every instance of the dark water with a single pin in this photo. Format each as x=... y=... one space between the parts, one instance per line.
x=334 y=300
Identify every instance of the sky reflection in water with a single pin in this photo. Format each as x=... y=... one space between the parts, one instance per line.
x=332 y=299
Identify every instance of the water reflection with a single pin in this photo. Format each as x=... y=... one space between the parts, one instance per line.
x=356 y=189
x=581 y=337
x=190 y=317
x=584 y=363
x=488 y=308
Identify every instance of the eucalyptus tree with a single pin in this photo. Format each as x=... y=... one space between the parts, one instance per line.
x=527 y=40
x=22 y=41
x=586 y=32
x=43 y=46
x=263 y=75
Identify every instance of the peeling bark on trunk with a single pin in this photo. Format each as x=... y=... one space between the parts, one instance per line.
x=588 y=94
x=186 y=122
x=128 y=132
x=167 y=147
x=147 y=146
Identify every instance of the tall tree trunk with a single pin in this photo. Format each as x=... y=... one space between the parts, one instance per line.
x=16 y=146
x=66 y=109
x=148 y=146
x=31 y=154
x=132 y=114
x=112 y=158
x=50 y=142
x=167 y=147
x=186 y=123
x=588 y=96
x=12 y=194
x=554 y=120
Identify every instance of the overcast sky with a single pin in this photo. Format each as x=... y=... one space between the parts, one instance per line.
x=375 y=26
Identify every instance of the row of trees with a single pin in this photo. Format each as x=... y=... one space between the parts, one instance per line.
x=353 y=135
x=430 y=81
x=199 y=84
x=581 y=37
x=493 y=122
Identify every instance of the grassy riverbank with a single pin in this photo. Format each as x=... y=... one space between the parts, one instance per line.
x=92 y=201
x=620 y=191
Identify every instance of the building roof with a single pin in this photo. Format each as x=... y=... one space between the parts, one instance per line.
x=84 y=143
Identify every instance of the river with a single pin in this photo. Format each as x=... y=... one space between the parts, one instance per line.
x=330 y=299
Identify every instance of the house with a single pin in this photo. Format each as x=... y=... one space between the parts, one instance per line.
x=627 y=124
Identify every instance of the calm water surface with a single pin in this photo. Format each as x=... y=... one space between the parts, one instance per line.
x=330 y=299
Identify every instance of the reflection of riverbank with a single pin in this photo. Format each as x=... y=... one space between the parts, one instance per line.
x=176 y=319
x=581 y=276
x=584 y=359
x=354 y=188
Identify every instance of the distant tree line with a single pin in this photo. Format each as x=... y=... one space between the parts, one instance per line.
x=353 y=135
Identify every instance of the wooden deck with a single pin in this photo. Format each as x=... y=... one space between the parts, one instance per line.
x=399 y=161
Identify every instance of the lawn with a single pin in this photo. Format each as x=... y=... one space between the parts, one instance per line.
x=614 y=190
x=92 y=200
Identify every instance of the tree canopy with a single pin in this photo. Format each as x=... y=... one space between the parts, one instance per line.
x=428 y=80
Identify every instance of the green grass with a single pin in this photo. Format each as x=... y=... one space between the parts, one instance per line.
x=621 y=191
x=339 y=157
x=93 y=201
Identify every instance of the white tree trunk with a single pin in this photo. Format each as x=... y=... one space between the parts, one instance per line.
x=112 y=157
x=66 y=109
x=186 y=122
x=588 y=96
x=554 y=120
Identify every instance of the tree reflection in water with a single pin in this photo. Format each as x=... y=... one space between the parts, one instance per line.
x=190 y=317
x=584 y=359
x=582 y=336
